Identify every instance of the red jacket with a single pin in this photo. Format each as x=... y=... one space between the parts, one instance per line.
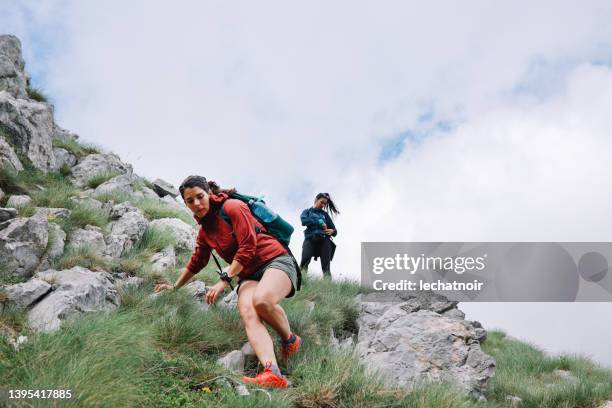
x=237 y=241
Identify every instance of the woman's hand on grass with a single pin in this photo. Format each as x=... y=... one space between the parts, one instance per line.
x=162 y=286
x=213 y=293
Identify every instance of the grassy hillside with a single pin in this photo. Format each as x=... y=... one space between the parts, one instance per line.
x=163 y=351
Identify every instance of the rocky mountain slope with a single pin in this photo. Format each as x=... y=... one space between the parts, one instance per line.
x=80 y=232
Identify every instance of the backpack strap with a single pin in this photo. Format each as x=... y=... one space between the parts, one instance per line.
x=260 y=231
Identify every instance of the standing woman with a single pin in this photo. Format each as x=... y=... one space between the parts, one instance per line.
x=266 y=272
x=319 y=230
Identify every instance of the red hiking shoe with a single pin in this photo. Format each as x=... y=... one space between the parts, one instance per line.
x=267 y=378
x=290 y=349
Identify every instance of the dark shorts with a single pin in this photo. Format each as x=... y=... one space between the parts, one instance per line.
x=284 y=263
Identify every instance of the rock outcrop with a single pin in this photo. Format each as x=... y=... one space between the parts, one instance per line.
x=13 y=78
x=90 y=237
x=163 y=260
x=411 y=341
x=7 y=214
x=26 y=294
x=30 y=124
x=23 y=241
x=63 y=158
x=77 y=290
x=8 y=158
x=126 y=229
x=16 y=201
x=184 y=233
x=163 y=188
x=98 y=163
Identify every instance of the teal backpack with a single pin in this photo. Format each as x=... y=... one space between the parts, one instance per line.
x=275 y=225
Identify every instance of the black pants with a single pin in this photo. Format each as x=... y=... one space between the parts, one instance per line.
x=317 y=247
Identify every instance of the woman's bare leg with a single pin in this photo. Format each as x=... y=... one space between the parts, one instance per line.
x=273 y=287
x=256 y=331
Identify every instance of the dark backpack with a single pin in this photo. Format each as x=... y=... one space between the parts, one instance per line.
x=274 y=224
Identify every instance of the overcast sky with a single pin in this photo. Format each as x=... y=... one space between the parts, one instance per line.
x=471 y=121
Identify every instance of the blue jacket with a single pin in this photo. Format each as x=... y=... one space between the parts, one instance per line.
x=313 y=219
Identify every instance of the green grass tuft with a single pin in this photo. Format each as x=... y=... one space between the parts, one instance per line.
x=26 y=210
x=77 y=149
x=37 y=94
x=100 y=178
x=526 y=371
x=155 y=209
x=10 y=182
x=81 y=215
x=99 y=357
x=117 y=197
x=137 y=260
x=13 y=320
x=84 y=256
x=155 y=239
x=57 y=194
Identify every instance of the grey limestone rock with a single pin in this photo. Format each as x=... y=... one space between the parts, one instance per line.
x=163 y=188
x=148 y=193
x=124 y=183
x=230 y=301
x=409 y=343
x=8 y=158
x=91 y=202
x=247 y=350
x=346 y=344
x=16 y=201
x=233 y=361
x=31 y=125
x=7 y=214
x=90 y=236
x=63 y=158
x=78 y=290
x=98 y=163
x=565 y=375
x=54 y=213
x=13 y=78
x=454 y=314
x=23 y=241
x=129 y=282
x=184 y=233
x=179 y=205
x=55 y=249
x=513 y=400
x=17 y=342
x=64 y=135
x=196 y=288
x=25 y=294
x=164 y=260
x=127 y=229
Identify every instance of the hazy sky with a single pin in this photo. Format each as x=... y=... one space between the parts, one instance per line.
x=471 y=121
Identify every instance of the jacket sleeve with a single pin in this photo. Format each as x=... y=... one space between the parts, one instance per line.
x=311 y=220
x=200 y=256
x=244 y=229
x=330 y=224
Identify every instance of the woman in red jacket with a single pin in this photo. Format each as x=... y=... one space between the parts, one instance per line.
x=265 y=271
